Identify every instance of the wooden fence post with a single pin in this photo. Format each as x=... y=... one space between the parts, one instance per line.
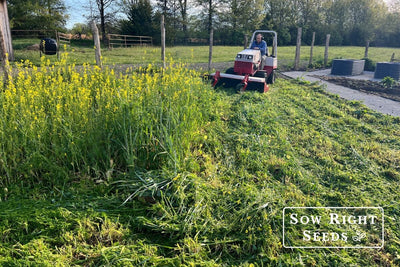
x=58 y=44
x=96 y=38
x=328 y=37
x=163 y=41
x=366 y=49
x=57 y=38
x=311 y=50
x=4 y=58
x=210 y=50
x=6 y=31
x=298 y=45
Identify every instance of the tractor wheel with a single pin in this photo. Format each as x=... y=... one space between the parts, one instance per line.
x=240 y=88
x=260 y=87
x=230 y=71
x=220 y=83
x=260 y=74
x=271 y=78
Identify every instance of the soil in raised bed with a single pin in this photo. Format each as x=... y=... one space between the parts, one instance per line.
x=367 y=86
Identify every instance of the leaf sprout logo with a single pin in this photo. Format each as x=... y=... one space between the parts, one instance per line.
x=333 y=227
x=359 y=236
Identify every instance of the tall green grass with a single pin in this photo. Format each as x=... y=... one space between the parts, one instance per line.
x=57 y=120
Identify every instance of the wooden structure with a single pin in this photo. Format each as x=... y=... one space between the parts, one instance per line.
x=162 y=26
x=311 y=50
x=5 y=31
x=63 y=38
x=119 y=40
x=326 y=55
x=40 y=34
x=298 y=46
x=96 y=39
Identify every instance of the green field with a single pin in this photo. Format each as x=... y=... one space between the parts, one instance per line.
x=156 y=168
x=80 y=54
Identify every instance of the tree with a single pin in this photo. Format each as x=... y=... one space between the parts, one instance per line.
x=80 y=28
x=210 y=7
x=178 y=14
x=245 y=16
x=183 y=8
x=37 y=14
x=350 y=22
x=286 y=16
x=394 y=6
x=102 y=6
x=170 y=10
x=139 y=21
x=283 y=17
x=358 y=19
x=372 y=15
x=389 y=35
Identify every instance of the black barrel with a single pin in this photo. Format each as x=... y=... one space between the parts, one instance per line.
x=48 y=46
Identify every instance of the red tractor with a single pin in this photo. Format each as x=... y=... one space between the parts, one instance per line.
x=250 y=71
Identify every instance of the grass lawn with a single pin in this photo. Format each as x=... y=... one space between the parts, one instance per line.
x=194 y=54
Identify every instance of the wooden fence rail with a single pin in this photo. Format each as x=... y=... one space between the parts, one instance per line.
x=120 y=40
x=63 y=38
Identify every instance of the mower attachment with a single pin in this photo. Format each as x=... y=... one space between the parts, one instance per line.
x=241 y=82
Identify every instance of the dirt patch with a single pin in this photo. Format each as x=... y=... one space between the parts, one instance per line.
x=366 y=86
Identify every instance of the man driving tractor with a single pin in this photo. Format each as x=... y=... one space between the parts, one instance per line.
x=253 y=67
x=260 y=44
